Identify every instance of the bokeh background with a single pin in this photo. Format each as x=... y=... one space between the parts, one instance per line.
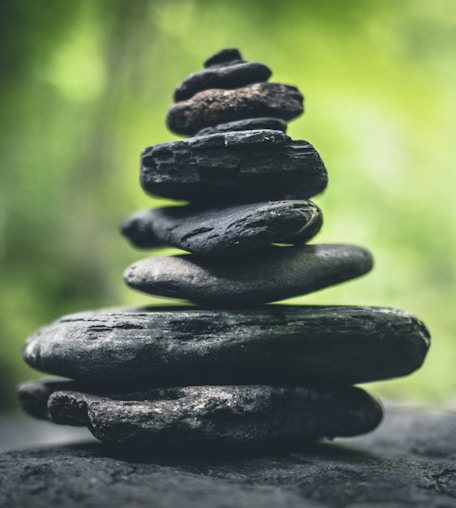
x=85 y=85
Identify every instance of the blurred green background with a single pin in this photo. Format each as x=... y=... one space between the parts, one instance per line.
x=86 y=85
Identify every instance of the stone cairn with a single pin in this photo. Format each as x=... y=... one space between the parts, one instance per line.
x=230 y=370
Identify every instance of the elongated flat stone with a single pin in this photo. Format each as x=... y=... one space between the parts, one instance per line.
x=267 y=275
x=273 y=344
x=224 y=230
x=251 y=165
x=245 y=125
x=217 y=414
x=237 y=74
x=214 y=106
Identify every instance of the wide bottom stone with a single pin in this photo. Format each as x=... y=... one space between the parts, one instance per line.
x=272 y=344
x=205 y=415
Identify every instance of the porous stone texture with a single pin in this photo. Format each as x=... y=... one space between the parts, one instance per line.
x=238 y=74
x=214 y=106
x=245 y=125
x=251 y=165
x=220 y=415
x=224 y=231
x=273 y=344
x=271 y=274
x=408 y=462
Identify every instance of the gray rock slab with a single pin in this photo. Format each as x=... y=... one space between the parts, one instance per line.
x=244 y=125
x=273 y=344
x=408 y=462
x=251 y=165
x=202 y=415
x=260 y=276
x=237 y=74
x=224 y=231
x=214 y=106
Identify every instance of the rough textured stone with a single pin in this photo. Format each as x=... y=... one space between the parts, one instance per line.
x=225 y=230
x=201 y=415
x=273 y=344
x=237 y=74
x=234 y=166
x=270 y=274
x=408 y=462
x=214 y=106
x=275 y=124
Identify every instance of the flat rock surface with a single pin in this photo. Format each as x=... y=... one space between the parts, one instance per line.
x=244 y=125
x=214 y=106
x=200 y=416
x=274 y=344
x=224 y=231
x=234 y=166
x=266 y=275
x=237 y=74
x=407 y=462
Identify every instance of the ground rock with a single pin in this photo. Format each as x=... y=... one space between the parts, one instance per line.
x=223 y=415
x=273 y=344
x=275 y=124
x=266 y=275
x=408 y=462
x=237 y=166
x=214 y=106
x=224 y=231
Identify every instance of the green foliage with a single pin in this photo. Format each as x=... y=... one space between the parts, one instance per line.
x=86 y=85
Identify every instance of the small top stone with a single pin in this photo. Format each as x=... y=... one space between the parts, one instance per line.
x=223 y=57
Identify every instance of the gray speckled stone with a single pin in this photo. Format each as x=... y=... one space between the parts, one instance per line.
x=218 y=414
x=251 y=165
x=214 y=106
x=225 y=230
x=275 y=124
x=273 y=344
x=237 y=74
x=260 y=276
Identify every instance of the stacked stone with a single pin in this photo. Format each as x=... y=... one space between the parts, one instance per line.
x=230 y=370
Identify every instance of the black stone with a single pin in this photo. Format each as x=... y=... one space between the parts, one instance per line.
x=214 y=414
x=260 y=276
x=273 y=344
x=33 y=395
x=252 y=165
x=226 y=230
x=408 y=462
x=275 y=124
x=227 y=77
x=215 y=106
x=223 y=57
